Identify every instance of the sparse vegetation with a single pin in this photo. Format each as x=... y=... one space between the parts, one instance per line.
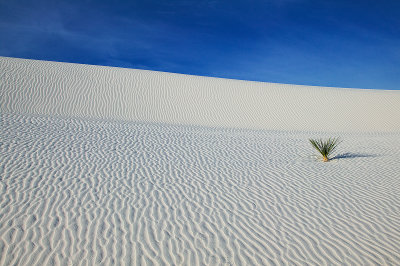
x=325 y=148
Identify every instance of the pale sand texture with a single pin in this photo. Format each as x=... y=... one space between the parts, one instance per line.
x=52 y=88
x=96 y=167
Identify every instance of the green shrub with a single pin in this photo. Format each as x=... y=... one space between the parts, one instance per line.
x=325 y=148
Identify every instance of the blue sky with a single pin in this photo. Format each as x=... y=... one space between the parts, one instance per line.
x=325 y=43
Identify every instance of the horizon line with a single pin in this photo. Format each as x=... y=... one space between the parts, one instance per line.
x=194 y=75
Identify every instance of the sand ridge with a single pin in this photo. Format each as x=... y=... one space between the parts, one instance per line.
x=52 y=88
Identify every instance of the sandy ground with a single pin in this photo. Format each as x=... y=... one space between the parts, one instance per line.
x=114 y=166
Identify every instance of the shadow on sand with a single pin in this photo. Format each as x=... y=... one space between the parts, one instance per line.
x=349 y=155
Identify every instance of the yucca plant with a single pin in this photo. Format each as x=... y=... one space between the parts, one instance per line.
x=325 y=148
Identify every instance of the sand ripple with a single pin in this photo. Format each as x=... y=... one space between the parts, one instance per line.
x=84 y=192
x=53 y=88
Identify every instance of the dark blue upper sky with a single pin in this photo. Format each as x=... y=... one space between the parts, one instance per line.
x=353 y=43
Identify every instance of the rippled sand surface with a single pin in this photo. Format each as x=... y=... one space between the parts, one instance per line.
x=81 y=187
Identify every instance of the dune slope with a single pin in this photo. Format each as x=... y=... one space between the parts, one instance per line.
x=51 y=88
x=98 y=168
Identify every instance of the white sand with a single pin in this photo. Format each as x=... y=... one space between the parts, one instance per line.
x=52 y=88
x=113 y=166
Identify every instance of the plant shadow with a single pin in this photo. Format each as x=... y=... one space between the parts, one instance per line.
x=349 y=155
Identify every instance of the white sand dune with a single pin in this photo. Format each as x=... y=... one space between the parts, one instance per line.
x=52 y=88
x=109 y=166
